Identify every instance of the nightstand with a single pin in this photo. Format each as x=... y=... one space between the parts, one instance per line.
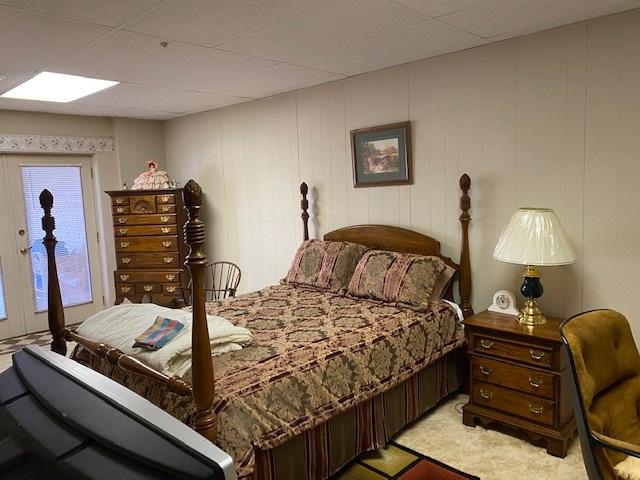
x=518 y=378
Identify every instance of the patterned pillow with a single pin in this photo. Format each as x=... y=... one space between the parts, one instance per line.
x=400 y=278
x=442 y=283
x=325 y=265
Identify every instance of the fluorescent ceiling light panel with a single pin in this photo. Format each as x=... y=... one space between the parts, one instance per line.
x=57 y=87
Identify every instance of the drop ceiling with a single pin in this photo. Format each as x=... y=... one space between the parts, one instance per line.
x=176 y=57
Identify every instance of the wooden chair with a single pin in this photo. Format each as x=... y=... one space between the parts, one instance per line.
x=221 y=281
x=605 y=367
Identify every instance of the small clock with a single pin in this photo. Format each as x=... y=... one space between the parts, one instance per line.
x=504 y=302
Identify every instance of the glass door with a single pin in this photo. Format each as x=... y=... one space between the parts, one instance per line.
x=77 y=257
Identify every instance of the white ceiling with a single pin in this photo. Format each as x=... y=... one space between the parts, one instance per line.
x=221 y=52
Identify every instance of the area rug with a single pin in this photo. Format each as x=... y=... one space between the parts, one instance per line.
x=396 y=462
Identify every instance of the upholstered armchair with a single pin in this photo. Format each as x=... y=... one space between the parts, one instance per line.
x=606 y=371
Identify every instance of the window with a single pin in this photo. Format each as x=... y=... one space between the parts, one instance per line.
x=65 y=183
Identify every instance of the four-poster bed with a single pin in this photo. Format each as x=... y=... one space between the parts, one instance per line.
x=357 y=416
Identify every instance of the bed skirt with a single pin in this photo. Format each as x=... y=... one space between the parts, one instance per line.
x=325 y=449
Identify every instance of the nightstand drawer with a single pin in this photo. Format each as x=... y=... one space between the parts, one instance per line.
x=520 y=404
x=523 y=379
x=520 y=352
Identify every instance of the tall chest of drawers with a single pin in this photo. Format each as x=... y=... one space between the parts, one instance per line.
x=150 y=248
x=519 y=379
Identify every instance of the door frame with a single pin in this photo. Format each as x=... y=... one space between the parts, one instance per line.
x=105 y=175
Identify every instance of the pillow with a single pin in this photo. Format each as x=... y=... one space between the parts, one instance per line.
x=442 y=283
x=325 y=265
x=400 y=278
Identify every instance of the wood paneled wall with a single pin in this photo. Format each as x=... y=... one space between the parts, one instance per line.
x=551 y=119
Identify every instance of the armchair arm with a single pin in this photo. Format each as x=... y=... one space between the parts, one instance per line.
x=615 y=444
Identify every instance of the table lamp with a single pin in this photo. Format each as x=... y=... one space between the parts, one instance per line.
x=534 y=237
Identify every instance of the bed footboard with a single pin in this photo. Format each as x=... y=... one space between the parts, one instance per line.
x=201 y=388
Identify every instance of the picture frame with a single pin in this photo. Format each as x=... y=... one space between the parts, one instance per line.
x=382 y=155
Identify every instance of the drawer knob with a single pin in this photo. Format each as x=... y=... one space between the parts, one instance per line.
x=166 y=243
x=124 y=277
x=122 y=220
x=120 y=209
x=486 y=343
x=165 y=209
x=171 y=289
x=119 y=200
x=170 y=276
x=123 y=231
x=165 y=229
x=164 y=199
x=124 y=244
x=535 y=382
x=486 y=394
x=125 y=289
x=536 y=354
x=485 y=370
x=167 y=259
x=536 y=408
x=126 y=259
x=164 y=219
x=148 y=288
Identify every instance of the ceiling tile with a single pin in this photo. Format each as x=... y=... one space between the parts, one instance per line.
x=145 y=114
x=344 y=25
x=415 y=42
x=508 y=18
x=274 y=80
x=127 y=95
x=33 y=40
x=435 y=8
x=124 y=55
x=190 y=102
x=111 y=12
x=210 y=23
x=201 y=71
x=11 y=76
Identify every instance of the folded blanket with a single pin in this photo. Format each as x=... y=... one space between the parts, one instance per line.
x=120 y=325
x=159 y=334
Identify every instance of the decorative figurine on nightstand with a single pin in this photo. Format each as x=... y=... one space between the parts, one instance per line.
x=534 y=237
x=504 y=302
x=153 y=179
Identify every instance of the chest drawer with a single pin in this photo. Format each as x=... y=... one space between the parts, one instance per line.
x=147 y=276
x=120 y=200
x=523 y=379
x=166 y=209
x=147 y=244
x=520 y=352
x=532 y=408
x=151 y=260
x=142 y=230
x=121 y=210
x=164 y=199
x=142 y=204
x=160 y=219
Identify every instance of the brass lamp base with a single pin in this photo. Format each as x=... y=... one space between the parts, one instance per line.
x=531 y=314
x=531 y=289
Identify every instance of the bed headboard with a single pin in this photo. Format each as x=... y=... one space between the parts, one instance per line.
x=396 y=239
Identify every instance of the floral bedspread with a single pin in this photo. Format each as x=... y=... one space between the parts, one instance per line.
x=313 y=355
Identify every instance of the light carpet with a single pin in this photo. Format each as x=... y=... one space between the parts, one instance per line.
x=488 y=454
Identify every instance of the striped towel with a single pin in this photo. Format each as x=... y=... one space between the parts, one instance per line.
x=159 y=334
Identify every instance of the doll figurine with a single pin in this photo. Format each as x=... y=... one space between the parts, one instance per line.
x=153 y=179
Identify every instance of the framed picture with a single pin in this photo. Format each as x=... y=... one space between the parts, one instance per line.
x=382 y=155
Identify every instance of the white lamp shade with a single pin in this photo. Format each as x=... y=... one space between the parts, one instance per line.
x=534 y=236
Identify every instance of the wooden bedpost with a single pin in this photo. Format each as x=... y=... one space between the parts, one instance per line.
x=304 y=205
x=202 y=385
x=465 y=262
x=55 y=312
